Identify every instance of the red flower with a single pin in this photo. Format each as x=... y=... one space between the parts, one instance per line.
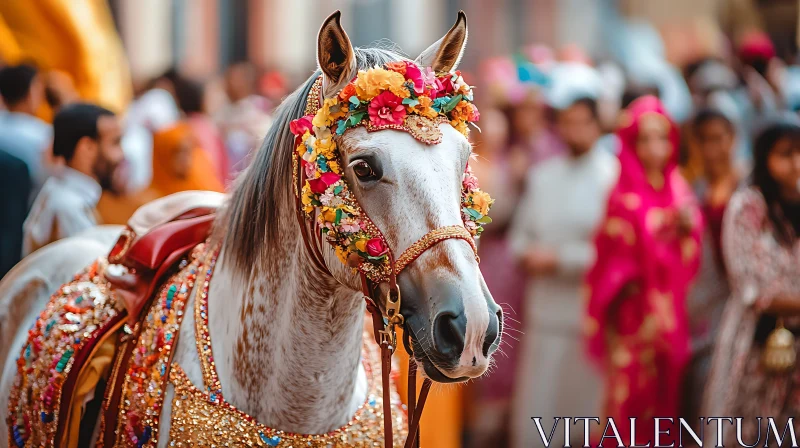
x=330 y=178
x=376 y=247
x=445 y=85
x=317 y=185
x=386 y=108
x=301 y=125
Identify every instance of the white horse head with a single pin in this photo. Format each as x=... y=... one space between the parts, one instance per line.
x=407 y=188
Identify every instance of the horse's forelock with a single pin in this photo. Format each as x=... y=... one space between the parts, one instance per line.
x=248 y=223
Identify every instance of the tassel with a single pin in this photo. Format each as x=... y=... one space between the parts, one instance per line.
x=779 y=352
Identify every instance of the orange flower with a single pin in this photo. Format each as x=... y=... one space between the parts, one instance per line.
x=482 y=201
x=348 y=91
x=462 y=111
x=424 y=107
x=397 y=66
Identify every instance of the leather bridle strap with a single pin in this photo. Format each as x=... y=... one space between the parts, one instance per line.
x=383 y=328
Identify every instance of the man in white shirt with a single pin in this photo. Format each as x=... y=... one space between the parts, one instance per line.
x=551 y=236
x=87 y=139
x=22 y=134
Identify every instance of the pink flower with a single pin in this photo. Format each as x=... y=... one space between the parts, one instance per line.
x=470 y=182
x=429 y=76
x=330 y=178
x=350 y=227
x=475 y=114
x=386 y=108
x=301 y=125
x=376 y=247
x=309 y=168
x=414 y=74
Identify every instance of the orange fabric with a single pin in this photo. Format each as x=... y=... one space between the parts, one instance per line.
x=114 y=209
x=201 y=175
x=442 y=418
x=80 y=41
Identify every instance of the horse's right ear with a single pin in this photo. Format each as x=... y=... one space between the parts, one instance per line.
x=334 y=56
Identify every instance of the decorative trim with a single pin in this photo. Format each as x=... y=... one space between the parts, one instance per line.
x=146 y=376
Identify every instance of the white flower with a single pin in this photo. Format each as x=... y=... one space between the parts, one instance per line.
x=326 y=198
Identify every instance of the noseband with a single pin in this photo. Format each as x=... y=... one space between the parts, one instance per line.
x=385 y=311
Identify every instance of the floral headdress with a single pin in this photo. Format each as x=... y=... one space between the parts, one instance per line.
x=399 y=95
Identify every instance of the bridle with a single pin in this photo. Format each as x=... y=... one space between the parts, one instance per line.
x=385 y=311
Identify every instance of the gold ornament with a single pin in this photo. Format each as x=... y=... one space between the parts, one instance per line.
x=779 y=352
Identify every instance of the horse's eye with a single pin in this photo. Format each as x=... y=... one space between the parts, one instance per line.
x=363 y=170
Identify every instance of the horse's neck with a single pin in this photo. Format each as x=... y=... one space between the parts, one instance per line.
x=287 y=344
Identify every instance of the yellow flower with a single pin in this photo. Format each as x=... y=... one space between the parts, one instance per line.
x=329 y=215
x=325 y=147
x=461 y=126
x=341 y=254
x=424 y=108
x=361 y=245
x=482 y=201
x=372 y=82
x=306 y=197
x=334 y=166
x=328 y=113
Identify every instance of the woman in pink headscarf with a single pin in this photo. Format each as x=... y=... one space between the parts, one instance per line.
x=647 y=254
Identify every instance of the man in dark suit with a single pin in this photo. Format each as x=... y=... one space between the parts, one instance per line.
x=15 y=188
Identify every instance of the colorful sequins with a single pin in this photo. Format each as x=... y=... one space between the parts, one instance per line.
x=145 y=379
x=77 y=314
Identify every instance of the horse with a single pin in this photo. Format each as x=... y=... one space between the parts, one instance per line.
x=288 y=339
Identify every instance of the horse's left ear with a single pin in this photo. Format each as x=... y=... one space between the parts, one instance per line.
x=334 y=56
x=445 y=54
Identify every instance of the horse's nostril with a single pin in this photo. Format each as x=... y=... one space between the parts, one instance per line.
x=448 y=334
x=493 y=332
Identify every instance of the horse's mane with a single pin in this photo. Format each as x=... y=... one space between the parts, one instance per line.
x=248 y=223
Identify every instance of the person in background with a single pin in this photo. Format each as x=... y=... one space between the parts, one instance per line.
x=715 y=141
x=647 y=255
x=86 y=138
x=191 y=100
x=14 y=178
x=22 y=134
x=245 y=120
x=551 y=236
x=761 y=249
x=179 y=164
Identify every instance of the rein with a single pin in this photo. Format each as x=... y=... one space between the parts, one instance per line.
x=385 y=313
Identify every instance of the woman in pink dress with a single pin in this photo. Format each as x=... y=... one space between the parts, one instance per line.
x=647 y=255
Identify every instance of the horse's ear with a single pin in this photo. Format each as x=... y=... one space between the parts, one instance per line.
x=445 y=54
x=334 y=56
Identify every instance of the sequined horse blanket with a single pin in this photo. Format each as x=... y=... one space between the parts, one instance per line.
x=83 y=333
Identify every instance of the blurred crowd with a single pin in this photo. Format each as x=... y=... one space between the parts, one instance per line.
x=644 y=244
x=70 y=164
